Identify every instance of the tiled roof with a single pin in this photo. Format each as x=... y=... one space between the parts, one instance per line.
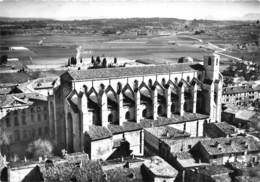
x=127 y=126
x=87 y=170
x=212 y=170
x=124 y=174
x=22 y=98
x=176 y=118
x=98 y=132
x=160 y=167
x=167 y=132
x=225 y=127
x=240 y=89
x=128 y=71
x=219 y=146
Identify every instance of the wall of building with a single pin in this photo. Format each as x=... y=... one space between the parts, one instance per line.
x=101 y=149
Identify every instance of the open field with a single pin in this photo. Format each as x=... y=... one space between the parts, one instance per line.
x=56 y=49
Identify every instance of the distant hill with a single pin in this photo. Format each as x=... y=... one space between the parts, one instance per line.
x=251 y=16
x=14 y=19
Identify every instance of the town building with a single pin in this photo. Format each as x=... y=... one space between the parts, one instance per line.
x=122 y=97
x=215 y=173
x=222 y=129
x=24 y=117
x=243 y=95
x=222 y=150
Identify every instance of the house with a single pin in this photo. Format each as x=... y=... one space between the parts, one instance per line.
x=222 y=150
x=156 y=169
x=214 y=173
x=221 y=129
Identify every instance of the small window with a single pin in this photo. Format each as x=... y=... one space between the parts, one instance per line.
x=188 y=79
x=24 y=120
x=176 y=80
x=46 y=131
x=209 y=61
x=39 y=117
x=216 y=62
x=7 y=121
x=40 y=131
x=16 y=122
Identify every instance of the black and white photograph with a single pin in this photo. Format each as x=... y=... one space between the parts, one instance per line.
x=129 y=90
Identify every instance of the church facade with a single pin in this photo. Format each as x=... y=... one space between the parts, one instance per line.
x=97 y=110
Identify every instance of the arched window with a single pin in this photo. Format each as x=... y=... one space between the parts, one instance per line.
x=150 y=83
x=160 y=111
x=135 y=84
x=209 y=61
x=127 y=115
x=176 y=80
x=188 y=78
x=110 y=118
x=102 y=86
x=119 y=87
x=172 y=108
x=144 y=113
x=163 y=82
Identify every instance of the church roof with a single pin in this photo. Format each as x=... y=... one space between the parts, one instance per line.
x=128 y=71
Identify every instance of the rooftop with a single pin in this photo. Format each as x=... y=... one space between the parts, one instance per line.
x=186 y=160
x=240 y=89
x=128 y=71
x=160 y=167
x=176 y=118
x=127 y=126
x=238 y=144
x=212 y=170
x=225 y=128
x=20 y=99
x=167 y=132
x=98 y=132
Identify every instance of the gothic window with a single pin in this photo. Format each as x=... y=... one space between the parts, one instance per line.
x=135 y=84
x=144 y=113
x=110 y=118
x=176 y=80
x=119 y=87
x=127 y=115
x=216 y=62
x=172 y=108
x=150 y=83
x=188 y=78
x=160 y=111
x=102 y=86
x=163 y=82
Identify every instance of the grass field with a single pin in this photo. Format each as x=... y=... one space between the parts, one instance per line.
x=56 y=49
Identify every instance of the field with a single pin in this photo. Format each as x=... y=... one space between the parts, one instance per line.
x=56 y=49
x=53 y=42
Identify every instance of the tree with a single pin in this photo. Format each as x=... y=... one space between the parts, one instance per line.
x=3 y=59
x=39 y=147
x=98 y=60
x=73 y=61
x=4 y=140
x=104 y=63
x=115 y=60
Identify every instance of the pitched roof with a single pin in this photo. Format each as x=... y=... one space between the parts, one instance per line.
x=160 y=167
x=225 y=128
x=128 y=71
x=167 y=132
x=127 y=126
x=212 y=170
x=87 y=170
x=98 y=132
x=21 y=98
x=176 y=118
x=238 y=144
x=124 y=174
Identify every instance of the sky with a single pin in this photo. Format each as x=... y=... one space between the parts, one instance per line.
x=89 y=9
